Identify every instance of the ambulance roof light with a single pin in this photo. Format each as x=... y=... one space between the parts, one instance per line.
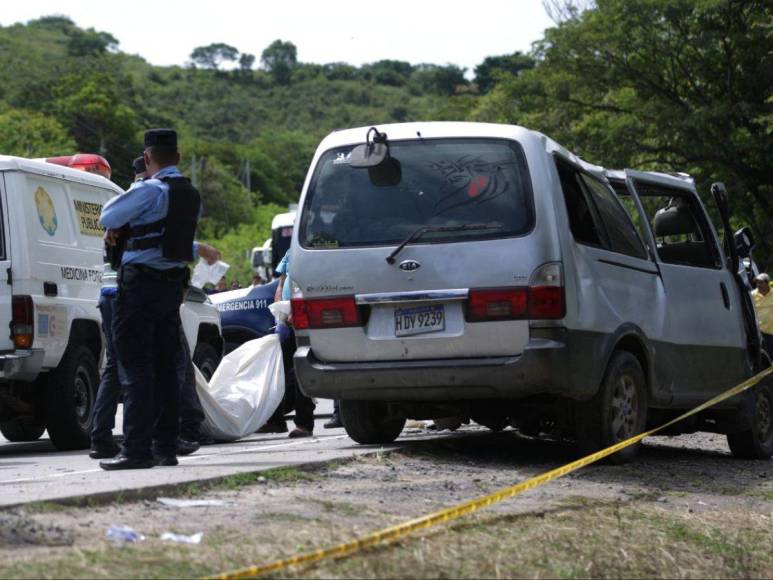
x=89 y=162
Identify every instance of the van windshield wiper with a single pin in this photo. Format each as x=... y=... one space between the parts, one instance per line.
x=418 y=233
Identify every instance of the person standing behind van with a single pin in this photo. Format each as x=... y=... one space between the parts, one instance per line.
x=763 y=304
x=304 y=406
x=162 y=214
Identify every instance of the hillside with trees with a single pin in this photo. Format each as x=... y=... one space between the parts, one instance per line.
x=681 y=85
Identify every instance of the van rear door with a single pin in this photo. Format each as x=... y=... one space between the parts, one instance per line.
x=459 y=287
x=5 y=273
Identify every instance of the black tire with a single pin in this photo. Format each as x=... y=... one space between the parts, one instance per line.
x=21 y=429
x=205 y=357
x=617 y=412
x=369 y=422
x=757 y=442
x=70 y=395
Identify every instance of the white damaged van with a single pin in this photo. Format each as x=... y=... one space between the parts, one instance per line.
x=483 y=271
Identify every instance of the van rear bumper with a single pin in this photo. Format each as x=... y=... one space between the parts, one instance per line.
x=543 y=367
x=21 y=365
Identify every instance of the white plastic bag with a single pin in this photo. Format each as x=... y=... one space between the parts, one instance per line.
x=205 y=273
x=245 y=390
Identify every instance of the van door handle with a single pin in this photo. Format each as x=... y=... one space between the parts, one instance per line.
x=725 y=295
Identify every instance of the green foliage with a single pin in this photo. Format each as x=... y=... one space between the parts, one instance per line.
x=493 y=68
x=213 y=55
x=235 y=246
x=29 y=134
x=672 y=86
x=90 y=42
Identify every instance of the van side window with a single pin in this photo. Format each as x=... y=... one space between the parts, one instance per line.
x=621 y=231
x=679 y=225
x=582 y=222
x=3 y=255
x=626 y=199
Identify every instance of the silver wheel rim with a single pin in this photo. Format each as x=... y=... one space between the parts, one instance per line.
x=82 y=394
x=625 y=408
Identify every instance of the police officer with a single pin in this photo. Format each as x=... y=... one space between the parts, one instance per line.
x=103 y=445
x=162 y=214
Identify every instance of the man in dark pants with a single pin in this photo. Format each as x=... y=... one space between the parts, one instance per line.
x=103 y=445
x=162 y=214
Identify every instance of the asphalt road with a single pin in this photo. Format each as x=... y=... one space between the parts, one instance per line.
x=37 y=472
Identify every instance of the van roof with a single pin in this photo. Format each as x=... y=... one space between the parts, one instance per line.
x=450 y=129
x=680 y=180
x=11 y=163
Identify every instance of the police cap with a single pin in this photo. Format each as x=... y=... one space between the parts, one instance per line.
x=139 y=165
x=164 y=138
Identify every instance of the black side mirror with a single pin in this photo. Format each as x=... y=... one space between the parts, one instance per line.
x=744 y=242
x=383 y=169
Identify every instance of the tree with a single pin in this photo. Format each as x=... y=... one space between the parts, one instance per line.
x=673 y=86
x=280 y=58
x=494 y=68
x=441 y=80
x=213 y=55
x=90 y=42
x=388 y=72
x=246 y=62
x=29 y=134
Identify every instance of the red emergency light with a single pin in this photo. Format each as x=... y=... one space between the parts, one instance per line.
x=89 y=162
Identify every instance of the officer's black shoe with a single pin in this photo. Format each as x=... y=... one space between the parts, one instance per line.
x=165 y=460
x=123 y=462
x=334 y=423
x=104 y=452
x=185 y=447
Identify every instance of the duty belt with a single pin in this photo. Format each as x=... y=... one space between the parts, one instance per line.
x=168 y=275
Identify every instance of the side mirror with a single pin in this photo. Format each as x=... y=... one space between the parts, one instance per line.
x=744 y=242
x=383 y=169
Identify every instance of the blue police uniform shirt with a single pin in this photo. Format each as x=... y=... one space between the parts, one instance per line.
x=284 y=268
x=143 y=203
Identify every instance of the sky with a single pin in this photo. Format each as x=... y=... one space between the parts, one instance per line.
x=430 y=31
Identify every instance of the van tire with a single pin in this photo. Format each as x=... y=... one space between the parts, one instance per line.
x=369 y=422
x=617 y=412
x=206 y=359
x=21 y=429
x=757 y=442
x=71 y=391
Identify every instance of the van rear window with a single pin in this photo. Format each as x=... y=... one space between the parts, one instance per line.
x=447 y=183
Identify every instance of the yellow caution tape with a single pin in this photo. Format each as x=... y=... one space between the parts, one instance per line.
x=396 y=532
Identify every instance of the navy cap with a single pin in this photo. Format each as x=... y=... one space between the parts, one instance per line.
x=166 y=138
x=139 y=165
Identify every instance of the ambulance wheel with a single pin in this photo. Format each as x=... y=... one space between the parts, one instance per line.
x=369 y=422
x=757 y=442
x=72 y=388
x=206 y=359
x=21 y=429
x=617 y=412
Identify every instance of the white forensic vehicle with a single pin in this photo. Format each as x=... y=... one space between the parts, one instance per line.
x=50 y=276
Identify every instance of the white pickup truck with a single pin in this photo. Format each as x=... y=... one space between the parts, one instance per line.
x=50 y=275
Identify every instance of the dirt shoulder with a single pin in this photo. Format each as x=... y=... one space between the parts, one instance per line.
x=684 y=509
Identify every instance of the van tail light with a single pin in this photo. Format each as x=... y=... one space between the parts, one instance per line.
x=543 y=299
x=88 y=162
x=339 y=312
x=22 y=323
x=546 y=292
x=498 y=304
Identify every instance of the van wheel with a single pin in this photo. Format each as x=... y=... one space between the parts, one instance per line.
x=21 y=429
x=757 y=442
x=369 y=422
x=206 y=359
x=70 y=395
x=617 y=412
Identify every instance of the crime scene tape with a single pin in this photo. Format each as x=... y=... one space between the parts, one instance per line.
x=398 y=531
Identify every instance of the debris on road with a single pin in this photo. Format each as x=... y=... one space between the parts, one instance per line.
x=190 y=503
x=123 y=534
x=182 y=539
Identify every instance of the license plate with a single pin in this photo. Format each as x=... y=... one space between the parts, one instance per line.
x=419 y=320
